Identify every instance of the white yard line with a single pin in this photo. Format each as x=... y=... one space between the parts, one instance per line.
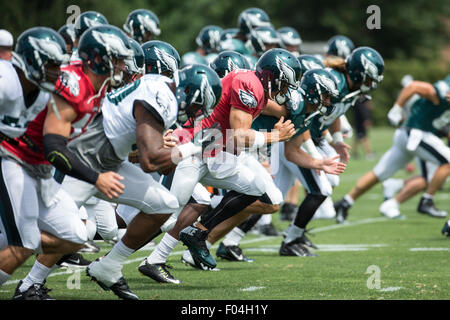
x=259 y=239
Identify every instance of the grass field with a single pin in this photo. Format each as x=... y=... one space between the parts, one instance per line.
x=411 y=256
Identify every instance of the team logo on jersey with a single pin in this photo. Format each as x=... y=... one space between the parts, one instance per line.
x=113 y=43
x=327 y=84
x=342 y=49
x=248 y=98
x=287 y=73
x=70 y=80
x=166 y=59
x=49 y=48
x=148 y=24
x=369 y=67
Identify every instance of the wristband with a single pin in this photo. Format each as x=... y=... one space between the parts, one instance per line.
x=188 y=149
x=259 y=141
x=337 y=137
x=311 y=149
x=328 y=137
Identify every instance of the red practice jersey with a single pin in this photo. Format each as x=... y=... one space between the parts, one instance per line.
x=74 y=87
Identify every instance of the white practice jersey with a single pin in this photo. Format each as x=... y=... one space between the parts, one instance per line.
x=117 y=109
x=14 y=115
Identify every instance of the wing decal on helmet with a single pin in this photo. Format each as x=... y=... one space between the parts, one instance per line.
x=112 y=43
x=248 y=98
x=266 y=37
x=327 y=84
x=231 y=66
x=169 y=61
x=49 y=48
x=149 y=24
x=255 y=21
x=309 y=64
x=369 y=67
x=287 y=73
x=342 y=48
x=207 y=94
x=91 y=22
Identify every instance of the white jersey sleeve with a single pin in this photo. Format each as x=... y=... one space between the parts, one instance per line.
x=117 y=109
x=14 y=115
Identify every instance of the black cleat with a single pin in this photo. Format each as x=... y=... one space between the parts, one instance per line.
x=157 y=272
x=295 y=248
x=288 y=211
x=195 y=239
x=306 y=242
x=426 y=206
x=231 y=253
x=36 y=292
x=268 y=230
x=341 y=208
x=73 y=260
x=120 y=288
x=446 y=229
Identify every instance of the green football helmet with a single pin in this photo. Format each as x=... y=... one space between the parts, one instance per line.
x=252 y=60
x=209 y=38
x=278 y=70
x=252 y=18
x=232 y=44
x=141 y=21
x=98 y=48
x=192 y=57
x=340 y=46
x=228 y=61
x=229 y=33
x=365 y=66
x=161 y=58
x=199 y=90
x=314 y=83
x=88 y=19
x=290 y=38
x=261 y=37
x=135 y=65
x=308 y=62
x=67 y=31
x=36 y=48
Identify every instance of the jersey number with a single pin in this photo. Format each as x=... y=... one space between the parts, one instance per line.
x=118 y=95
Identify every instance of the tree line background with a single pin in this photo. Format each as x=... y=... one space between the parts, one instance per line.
x=414 y=37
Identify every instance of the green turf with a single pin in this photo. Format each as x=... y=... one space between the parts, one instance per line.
x=334 y=274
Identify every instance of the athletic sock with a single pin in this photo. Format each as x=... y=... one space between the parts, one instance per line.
x=293 y=233
x=427 y=196
x=117 y=256
x=249 y=223
x=349 y=199
x=37 y=274
x=162 y=250
x=233 y=237
x=4 y=277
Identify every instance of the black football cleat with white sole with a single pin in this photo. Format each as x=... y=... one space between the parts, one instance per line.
x=231 y=253
x=426 y=206
x=158 y=272
x=37 y=291
x=341 y=207
x=195 y=239
x=73 y=260
x=120 y=288
x=295 y=248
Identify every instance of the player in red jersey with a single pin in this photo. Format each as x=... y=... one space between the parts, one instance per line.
x=41 y=219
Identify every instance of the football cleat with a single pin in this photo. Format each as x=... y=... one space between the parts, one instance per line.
x=446 y=229
x=120 y=288
x=90 y=247
x=426 y=206
x=231 y=253
x=187 y=259
x=389 y=209
x=288 y=211
x=304 y=240
x=268 y=230
x=195 y=239
x=295 y=248
x=157 y=272
x=36 y=292
x=341 y=208
x=73 y=260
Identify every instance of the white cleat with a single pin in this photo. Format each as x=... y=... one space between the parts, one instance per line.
x=102 y=273
x=390 y=209
x=391 y=187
